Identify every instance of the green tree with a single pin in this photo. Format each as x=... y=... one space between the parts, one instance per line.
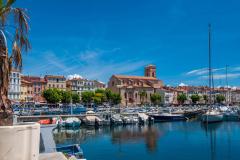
x=181 y=98
x=18 y=42
x=220 y=98
x=52 y=95
x=100 y=91
x=142 y=95
x=66 y=97
x=156 y=98
x=75 y=98
x=108 y=94
x=99 y=98
x=116 y=98
x=87 y=97
x=195 y=98
x=205 y=98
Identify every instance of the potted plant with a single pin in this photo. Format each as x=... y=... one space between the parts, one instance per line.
x=18 y=141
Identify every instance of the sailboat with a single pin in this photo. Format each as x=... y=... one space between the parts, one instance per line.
x=212 y=115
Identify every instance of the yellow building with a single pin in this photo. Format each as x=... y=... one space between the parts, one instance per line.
x=26 y=94
x=54 y=81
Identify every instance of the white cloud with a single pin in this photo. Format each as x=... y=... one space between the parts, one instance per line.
x=182 y=84
x=71 y=76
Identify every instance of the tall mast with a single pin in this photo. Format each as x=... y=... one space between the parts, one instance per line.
x=228 y=94
x=209 y=63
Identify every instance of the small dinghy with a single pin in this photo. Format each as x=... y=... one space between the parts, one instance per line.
x=72 y=151
x=71 y=122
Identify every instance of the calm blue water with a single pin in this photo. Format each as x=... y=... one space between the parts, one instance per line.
x=165 y=141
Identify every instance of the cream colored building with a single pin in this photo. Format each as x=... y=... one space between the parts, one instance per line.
x=54 y=81
x=26 y=91
x=132 y=88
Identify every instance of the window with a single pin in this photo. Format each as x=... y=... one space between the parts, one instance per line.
x=136 y=95
x=49 y=85
x=112 y=83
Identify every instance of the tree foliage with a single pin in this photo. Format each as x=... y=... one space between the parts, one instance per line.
x=195 y=98
x=220 y=98
x=52 y=95
x=87 y=96
x=75 y=98
x=66 y=97
x=156 y=98
x=181 y=98
x=116 y=98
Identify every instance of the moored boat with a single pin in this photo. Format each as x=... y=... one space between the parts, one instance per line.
x=212 y=116
x=72 y=151
x=168 y=117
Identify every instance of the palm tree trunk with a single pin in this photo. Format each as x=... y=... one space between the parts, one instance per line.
x=5 y=68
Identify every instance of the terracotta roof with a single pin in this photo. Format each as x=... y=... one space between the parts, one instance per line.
x=34 y=79
x=25 y=82
x=135 y=77
x=54 y=76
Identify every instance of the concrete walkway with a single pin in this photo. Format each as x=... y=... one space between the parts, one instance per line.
x=52 y=156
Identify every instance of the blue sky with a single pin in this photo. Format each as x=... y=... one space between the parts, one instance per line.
x=98 y=38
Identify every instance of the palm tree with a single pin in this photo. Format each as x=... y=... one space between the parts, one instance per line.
x=18 y=36
x=142 y=95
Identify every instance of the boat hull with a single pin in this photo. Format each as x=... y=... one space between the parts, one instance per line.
x=163 y=118
x=212 y=118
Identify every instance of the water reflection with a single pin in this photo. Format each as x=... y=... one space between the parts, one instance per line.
x=188 y=140
x=136 y=133
x=119 y=135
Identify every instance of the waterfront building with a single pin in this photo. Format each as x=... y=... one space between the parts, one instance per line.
x=169 y=95
x=26 y=91
x=136 y=90
x=55 y=81
x=79 y=85
x=14 y=85
x=235 y=96
x=39 y=85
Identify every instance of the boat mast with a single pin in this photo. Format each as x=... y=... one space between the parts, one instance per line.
x=228 y=94
x=209 y=63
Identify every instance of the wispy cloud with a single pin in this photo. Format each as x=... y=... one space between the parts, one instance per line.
x=89 y=63
x=223 y=76
x=202 y=71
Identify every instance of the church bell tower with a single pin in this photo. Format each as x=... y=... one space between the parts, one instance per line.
x=150 y=71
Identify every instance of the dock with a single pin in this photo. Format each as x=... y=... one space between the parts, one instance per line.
x=40 y=117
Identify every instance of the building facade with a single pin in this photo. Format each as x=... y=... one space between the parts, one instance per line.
x=135 y=90
x=54 y=81
x=79 y=85
x=38 y=86
x=26 y=91
x=14 y=85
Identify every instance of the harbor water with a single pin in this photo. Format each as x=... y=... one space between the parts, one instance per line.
x=165 y=141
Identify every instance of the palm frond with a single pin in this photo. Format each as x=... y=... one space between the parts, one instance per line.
x=16 y=56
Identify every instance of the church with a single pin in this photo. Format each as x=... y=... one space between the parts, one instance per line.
x=136 y=90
